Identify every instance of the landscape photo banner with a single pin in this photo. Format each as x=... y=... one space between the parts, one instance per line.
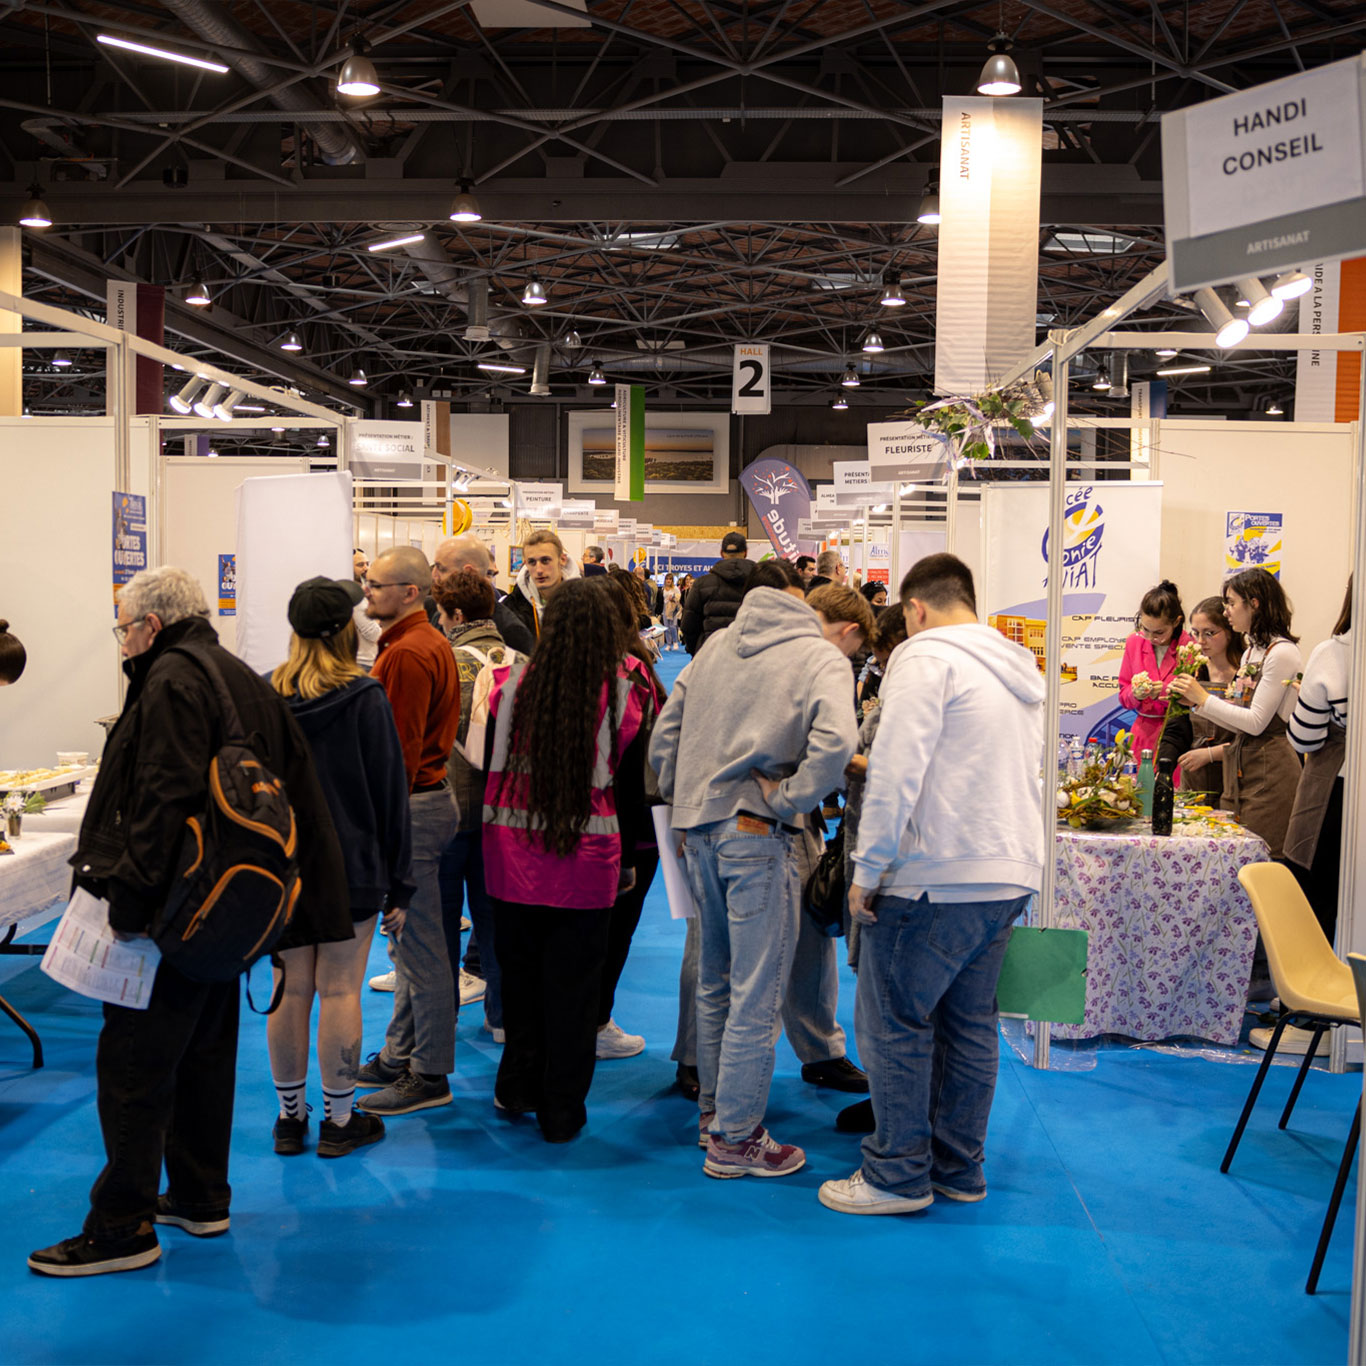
x=782 y=498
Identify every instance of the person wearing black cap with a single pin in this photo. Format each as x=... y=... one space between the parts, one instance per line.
x=714 y=599
x=349 y=725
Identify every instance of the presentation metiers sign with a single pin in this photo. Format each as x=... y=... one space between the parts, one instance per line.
x=1267 y=179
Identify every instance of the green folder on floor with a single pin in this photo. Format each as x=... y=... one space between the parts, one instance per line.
x=1043 y=976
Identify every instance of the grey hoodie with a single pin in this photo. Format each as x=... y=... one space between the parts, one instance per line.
x=952 y=804
x=769 y=693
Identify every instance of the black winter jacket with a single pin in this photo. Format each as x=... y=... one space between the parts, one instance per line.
x=154 y=776
x=713 y=601
x=355 y=747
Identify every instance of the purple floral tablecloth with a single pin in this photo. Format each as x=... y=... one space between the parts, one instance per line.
x=1171 y=931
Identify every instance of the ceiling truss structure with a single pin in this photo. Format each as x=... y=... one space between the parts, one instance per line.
x=680 y=175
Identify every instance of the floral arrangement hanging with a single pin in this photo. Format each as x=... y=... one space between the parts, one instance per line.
x=969 y=423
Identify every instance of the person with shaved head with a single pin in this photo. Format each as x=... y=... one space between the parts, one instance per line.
x=469 y=552
x=420 y=677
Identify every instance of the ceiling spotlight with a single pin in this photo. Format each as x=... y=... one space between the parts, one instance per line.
x=206 y=405
x=213 y=454
x=61 y=359
x=198 y=294
x=595 y=375
x=292 y=343
x=164 y=53
x=406 y=241
x=534 y=294
x=1262 y=307
x=1165 y=352
x=1292 y=284
x=404 y=399
x=1228 y=330
x=1000 y=75
x=1184 y=370
x=840 y=403
x=892 y=297
x=465 y=207
x=358 y=377
x=850 y=378
x=183 y=402
x=572 y=341
x=929 y=206
x=500 y=367
x=322 y=442
x=358 y=77
x=872 y=343
x=277 y=429
x=1102 y=381
x=1274 y=409
x=35 y=213
x=223 y=411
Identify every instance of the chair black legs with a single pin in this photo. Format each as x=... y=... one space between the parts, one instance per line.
x=27 y=1028
x=1310 y=1053
x=1330 y=1218
x=1256 y=1089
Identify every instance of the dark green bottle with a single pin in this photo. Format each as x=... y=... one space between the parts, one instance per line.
x=1164 y=798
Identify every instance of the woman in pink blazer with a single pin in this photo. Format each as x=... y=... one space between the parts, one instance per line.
x=1152 y=650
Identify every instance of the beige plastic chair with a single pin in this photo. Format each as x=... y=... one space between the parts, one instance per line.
x=1314 y=985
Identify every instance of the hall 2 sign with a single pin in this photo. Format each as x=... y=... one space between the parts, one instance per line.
x=1267 y=179
x=751 y=383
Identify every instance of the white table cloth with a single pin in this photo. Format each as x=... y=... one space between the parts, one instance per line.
x=34 y=878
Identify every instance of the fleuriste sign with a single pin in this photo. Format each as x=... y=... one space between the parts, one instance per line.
x=906 y=451
x=1267 y=179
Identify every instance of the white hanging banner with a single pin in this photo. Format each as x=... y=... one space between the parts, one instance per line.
x=1316 y=372
x=751 y=388
x=990 y=160
x=902 y=451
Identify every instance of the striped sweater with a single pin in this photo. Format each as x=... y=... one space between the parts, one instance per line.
x=1323 y=694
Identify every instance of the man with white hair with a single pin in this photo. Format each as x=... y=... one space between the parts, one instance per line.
x=165 y=1075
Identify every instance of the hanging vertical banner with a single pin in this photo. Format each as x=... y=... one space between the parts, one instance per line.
x=990 y=162
x=1326 y=381
x=227 y=585
x=751 y=387
x=139 y=310
x=436 y=428
x=782 y=498
x=630 y=476
x=129 y=539
x=1147 y=401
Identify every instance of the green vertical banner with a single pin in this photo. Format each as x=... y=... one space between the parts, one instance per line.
x=630 y=478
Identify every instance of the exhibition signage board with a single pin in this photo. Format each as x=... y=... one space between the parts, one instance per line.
x=1230 y=166
x=825 y=498
x=1112 y=536
x=751 y=389
x=626 y=527
x=629 y=486
x=856 y=487
x=539 y=500
x=1326 y=381
x=607 y=520
x=780 y=495
x=906 y=452
x=436 y=427
x=991 y=160
x=129 y=539
x=227 y=585
x=386 y=450
x=579 y=514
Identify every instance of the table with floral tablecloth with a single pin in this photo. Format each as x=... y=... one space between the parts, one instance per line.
x=1171 y=931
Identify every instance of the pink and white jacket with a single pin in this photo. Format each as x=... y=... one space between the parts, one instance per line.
x=1140 y=657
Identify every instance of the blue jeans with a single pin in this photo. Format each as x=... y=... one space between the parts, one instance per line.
x=462 y=884
x=925 y=1018
x=748 y=899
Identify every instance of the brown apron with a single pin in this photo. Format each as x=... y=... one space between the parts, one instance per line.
x=1206 y=780
x=1311 y=797
x=1261 y=777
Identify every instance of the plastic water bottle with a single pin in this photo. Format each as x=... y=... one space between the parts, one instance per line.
x=1076 y=759
x=1163 y=799
x=1064 y=759
x=1146 y=782
x=1092 y=752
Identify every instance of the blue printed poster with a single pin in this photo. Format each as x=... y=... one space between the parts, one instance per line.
x=227 y=585
x=1252 y=540
x=129 y=540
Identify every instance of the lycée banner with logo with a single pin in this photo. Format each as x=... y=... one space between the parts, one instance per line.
x=1112 y=533
x=782 y=498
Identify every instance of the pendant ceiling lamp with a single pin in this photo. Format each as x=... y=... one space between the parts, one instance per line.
x=872 y=343
x=892 y=297
x=850 y=378
x=929 y=206
x=465 y=208
x=358 y=77
x=1000 y=75
x=35 y=213
x=533 y=296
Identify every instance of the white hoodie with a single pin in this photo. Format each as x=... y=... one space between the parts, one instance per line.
x=533 y=594
x=953 y=802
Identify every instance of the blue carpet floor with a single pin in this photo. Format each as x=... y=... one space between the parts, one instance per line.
x=1108 y=1236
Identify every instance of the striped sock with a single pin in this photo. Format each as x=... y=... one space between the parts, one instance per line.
x=337 y=1105
x=291 y=1098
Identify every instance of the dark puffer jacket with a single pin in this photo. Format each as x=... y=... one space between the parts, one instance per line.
x=713 y=601
x=154 y=776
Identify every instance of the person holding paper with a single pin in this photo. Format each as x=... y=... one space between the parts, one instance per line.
x=950 y=849
x=166 y=1075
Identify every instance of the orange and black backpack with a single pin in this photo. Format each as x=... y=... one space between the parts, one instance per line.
x=237 y=878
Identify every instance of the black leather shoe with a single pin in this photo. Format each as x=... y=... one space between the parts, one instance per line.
x=856 y=1118
x=687 y=1081
x=838 y=1074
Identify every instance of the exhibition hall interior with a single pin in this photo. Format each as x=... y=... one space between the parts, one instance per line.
x=605 y=596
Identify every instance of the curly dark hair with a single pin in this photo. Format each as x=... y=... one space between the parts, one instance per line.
x=1271 y=609
x=467 y=592
x=555 y=714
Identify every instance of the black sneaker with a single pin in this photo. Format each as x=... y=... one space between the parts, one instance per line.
x=410 y=1091
x=201 y=1225
x=838 y=1074
x=336 y=1140
x=86 y=1256
x=289 y=1135
x=856 y=1118
x=375 y=1072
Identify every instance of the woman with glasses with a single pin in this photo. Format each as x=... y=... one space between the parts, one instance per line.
x=1193 y=743
x=1261 y=771
x=1151 y=651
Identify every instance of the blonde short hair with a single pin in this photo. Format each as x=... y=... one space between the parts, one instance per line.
x=835 y=602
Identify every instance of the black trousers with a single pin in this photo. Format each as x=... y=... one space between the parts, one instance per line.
x=551 y=960
x=621 y=929
x=166 y=1078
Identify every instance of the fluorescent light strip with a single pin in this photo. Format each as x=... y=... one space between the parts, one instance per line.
x=1184 y=370
x=494 y=367
x=109 y=41
x=396 y=242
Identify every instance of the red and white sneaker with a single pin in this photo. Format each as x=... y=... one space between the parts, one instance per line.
x=757 y=1155
x=704 y=1128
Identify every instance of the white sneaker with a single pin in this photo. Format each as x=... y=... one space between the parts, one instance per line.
x=385 y=981
x=499 y=1035
x=855 y=1196
x=471 y=988
x=615 y=1042
x=1294 y=1042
